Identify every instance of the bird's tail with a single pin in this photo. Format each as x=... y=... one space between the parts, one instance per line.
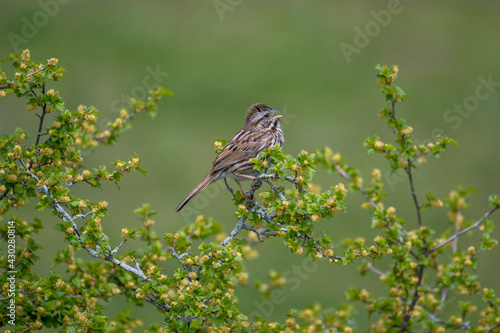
x=204 y=183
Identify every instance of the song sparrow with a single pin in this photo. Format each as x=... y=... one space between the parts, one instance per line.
x=260 y=131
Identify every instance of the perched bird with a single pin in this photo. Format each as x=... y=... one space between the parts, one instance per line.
x=260 y=131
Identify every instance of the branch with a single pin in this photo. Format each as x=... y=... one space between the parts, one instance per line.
x=416 y=296
x=464 y=326
x=261 y=232
x=275 y=189
x=179 y=257
x=393 y=106
x=82 y=216
x=420 y=155
x=360 y=189
x=414 y=195
x=27 y=76
x=44 y=112
x=4 y=194
x=256 y=208
x=239 y=226
x=164 y=307
x=458 y=234
x=292 y=180
x=374 y=270
x=455 y=241
x=492 y=328
x=229 y=188
x=104 y=139
x=93 y=253
x=263 y=214
x=113 y=252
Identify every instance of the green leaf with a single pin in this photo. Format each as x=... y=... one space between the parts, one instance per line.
x=141 y=170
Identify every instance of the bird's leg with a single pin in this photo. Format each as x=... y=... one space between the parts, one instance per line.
x=242 y=191
x=248 y=177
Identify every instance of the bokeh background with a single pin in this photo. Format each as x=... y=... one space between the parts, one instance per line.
x=219 y=57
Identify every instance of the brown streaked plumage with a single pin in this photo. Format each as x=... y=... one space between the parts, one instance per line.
x=260 y=131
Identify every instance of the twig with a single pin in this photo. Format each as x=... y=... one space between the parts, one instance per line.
x=178 y=257
x=40 y=124
x=27 y=76
x=444 y=294
x=294 y=181
x=164 y=307
x=113 y=252
x=104 y=139
x=375 y=270
x=82 y=216
x=464 y=326
x=414 y=195
x=261 y=232
x=420 y=155
x=4 y=194
x=275 y=189
x=393 y=107
x=258 y=209
x=492 y=328
x=360 y=189
x=229 y=188
x=416 y=296
x=455 y=241
x=42 y=116
x=475 y=225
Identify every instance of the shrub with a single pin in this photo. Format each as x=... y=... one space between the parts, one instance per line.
x=428 y=272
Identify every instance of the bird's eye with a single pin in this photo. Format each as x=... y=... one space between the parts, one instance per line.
x=267 y=115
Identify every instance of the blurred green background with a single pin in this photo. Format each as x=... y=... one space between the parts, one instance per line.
x=286 y=54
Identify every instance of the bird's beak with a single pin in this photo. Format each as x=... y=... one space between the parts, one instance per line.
x=279 y=116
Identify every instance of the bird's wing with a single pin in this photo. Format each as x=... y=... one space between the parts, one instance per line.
x=242 y=147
